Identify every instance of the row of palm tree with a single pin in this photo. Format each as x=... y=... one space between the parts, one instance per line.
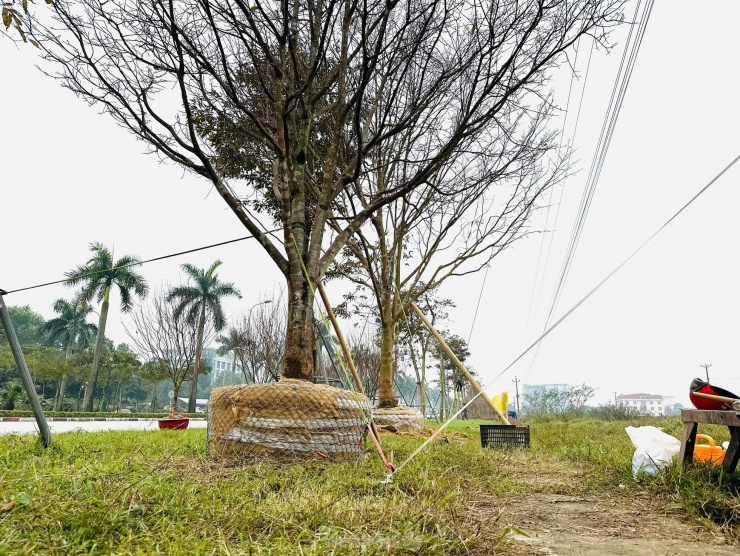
x=198 y=301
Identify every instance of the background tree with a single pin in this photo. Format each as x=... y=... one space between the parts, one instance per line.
x=263 y=333
x=550 y=402
x=120 y=366
x=200 y=301
x=166 y=340
x=476 y=207
x=417 y=342
x=97 y=277
x=12 y=395
x=28 y=325
x=71 y=330
x=283 y=106
x=366 y=355
x=231 y=342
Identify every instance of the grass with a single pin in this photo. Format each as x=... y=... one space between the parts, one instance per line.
x=134 y=492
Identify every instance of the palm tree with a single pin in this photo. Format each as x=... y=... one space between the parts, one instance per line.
x=199 y=301
x=231 y=342
x=97 y=276
x=11 y=394
x=71 y=329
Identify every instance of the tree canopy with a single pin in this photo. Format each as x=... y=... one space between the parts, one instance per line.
x=289 y=108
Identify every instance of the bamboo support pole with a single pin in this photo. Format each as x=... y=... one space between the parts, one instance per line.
x=343 y=344
x=460 y=366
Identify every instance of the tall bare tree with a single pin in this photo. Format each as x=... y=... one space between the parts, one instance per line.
x=283 y=105
x=165 y=339
x=261 y=349
x=366 y=357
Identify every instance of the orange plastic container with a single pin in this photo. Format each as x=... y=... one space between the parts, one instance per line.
x=708 y=452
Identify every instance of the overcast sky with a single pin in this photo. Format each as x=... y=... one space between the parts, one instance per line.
x=70 y=176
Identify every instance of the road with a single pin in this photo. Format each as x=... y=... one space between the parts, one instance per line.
x=20 y=427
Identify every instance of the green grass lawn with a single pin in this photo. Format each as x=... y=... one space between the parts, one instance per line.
x=138 y=492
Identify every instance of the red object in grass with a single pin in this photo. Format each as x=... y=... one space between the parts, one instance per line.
x=177 y=423
x=698 y=385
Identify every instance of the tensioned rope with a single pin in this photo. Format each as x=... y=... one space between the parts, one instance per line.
x=570 y=311
x=138 y=263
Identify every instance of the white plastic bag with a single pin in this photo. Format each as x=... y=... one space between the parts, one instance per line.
x=654 y=449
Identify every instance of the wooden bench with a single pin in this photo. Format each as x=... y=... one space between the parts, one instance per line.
x=691 y=419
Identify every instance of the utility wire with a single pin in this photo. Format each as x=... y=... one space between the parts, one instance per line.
x=566 y=315
x=137 y=263
x=624 y=75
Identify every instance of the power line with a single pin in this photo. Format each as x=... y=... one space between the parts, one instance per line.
x=624 y=75
x=559 y=204
x=137 y=263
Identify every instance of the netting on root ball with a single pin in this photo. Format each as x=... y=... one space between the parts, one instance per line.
x=285 y=421
x=398 y=419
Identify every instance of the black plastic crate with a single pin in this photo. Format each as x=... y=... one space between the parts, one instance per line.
x=504 y=436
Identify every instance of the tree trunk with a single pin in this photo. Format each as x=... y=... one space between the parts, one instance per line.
x=422 y=394
x=442 y=391
x=153 y=403
x=386 y=395
x=299 y=337
x=93 y=379
x=199 y=351
x=175 y=393
x=63 y=382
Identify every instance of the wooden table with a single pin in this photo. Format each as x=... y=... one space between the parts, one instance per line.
x=691 y=419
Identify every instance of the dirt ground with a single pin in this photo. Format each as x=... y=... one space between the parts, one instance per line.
x=556 y=514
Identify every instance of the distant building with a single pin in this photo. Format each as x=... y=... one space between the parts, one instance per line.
x=647 y=404
x=539 y=388
x=221 y=365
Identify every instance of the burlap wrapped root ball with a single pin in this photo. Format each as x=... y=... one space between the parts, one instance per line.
x=285 y=421
x=398 y=419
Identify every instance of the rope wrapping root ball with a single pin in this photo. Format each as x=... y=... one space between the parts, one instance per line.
x=398 y=419
x=285 y=421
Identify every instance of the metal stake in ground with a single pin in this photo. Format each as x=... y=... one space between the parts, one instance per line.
x=460 y=366
x=20 y=362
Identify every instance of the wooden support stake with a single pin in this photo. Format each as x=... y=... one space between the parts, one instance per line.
x=26 y=379
x=345 y=348
x=460 y=366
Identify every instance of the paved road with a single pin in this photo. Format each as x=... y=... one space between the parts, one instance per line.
x=91 y=426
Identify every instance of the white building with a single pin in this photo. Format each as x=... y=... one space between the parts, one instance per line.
x=222 y=366
x=647 y=404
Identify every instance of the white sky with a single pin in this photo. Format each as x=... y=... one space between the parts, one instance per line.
x=70 y=176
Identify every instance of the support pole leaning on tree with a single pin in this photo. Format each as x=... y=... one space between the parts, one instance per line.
x=343 y=344
x=460 y=366
x=20 y=362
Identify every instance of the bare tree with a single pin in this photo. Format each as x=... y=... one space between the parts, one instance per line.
x=261 y=349
x=366 y=357
x=283 y=106
x=477 y=206
x=167 y=343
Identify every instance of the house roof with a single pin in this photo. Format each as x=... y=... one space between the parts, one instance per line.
x=640 y=397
